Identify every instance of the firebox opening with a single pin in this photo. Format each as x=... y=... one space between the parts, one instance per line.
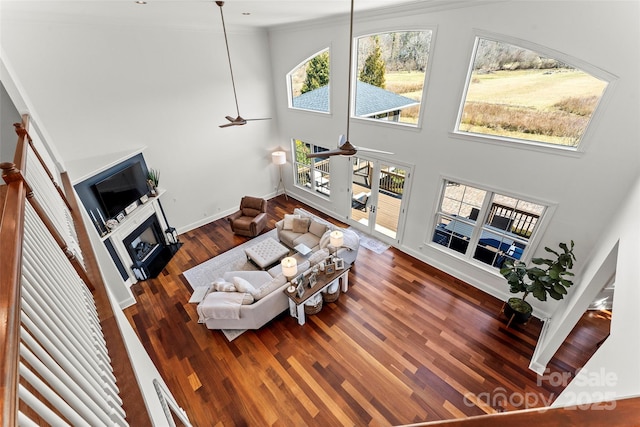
x=144 y=245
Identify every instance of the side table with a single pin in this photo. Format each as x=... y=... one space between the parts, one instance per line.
x=296 y=304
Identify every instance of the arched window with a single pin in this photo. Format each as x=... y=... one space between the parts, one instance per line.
x=390 y=75
x=308 y=84
x=523 y=94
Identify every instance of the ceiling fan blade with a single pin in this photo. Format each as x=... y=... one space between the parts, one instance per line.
x=264 y=118
x=231 y=119
x=373 y=150
x=328 y=153
x=226 y=125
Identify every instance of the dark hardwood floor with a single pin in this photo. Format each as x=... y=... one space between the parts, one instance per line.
x=407 y=343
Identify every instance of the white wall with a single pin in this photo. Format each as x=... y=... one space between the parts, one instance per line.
x=107 y=88
x=8 y=116
x=587 y=189
x=613 y=371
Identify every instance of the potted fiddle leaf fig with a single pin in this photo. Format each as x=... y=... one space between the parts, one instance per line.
x=548 y=277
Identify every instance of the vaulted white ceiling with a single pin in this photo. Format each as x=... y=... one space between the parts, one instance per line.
x=199 y=13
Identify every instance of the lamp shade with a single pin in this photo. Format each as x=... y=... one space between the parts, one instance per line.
x=289 y=266
x=336 y=238
x=279 y=157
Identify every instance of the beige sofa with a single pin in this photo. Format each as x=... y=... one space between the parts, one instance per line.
x=304 y=227
x=245 y=307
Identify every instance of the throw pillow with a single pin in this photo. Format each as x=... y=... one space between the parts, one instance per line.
x=243 y=285
x=248 y=299
x=288 y=221
x=317 y=229
x=222 y=286
x=300 y=225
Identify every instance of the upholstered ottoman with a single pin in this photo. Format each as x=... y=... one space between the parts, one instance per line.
x=266 y=253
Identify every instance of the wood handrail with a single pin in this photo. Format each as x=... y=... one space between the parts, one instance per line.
x=133 y=401
x=622 y=412
x=20 y=157
x=11 y=232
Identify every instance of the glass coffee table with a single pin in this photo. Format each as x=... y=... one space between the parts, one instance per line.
x=303 y=249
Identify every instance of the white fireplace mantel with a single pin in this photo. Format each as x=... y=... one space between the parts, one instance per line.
x=129 y=224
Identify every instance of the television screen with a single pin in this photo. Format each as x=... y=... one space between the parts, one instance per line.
x=122 y=188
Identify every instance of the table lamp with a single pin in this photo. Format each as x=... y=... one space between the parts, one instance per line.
x=336 y=239
x=289 y=270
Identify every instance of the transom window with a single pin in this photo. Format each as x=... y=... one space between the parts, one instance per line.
x=483 y=225
x=520 y=94
x=391 y=72
x=308 y=84
x=311 y=174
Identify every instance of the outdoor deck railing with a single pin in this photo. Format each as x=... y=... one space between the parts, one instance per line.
x=521 y=222
x=392 y=182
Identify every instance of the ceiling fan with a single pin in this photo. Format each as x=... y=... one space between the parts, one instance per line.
x=238 y=120
x=345 y=148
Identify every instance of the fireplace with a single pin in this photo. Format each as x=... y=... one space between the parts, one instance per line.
x=147 y=249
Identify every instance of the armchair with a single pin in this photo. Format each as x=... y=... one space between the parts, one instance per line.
x=251 y=218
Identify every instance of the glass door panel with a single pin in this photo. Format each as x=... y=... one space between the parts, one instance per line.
x=361 y=191
x=389 y=200
x=377 y=190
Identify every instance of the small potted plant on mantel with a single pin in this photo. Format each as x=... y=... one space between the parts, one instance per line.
x=547 y=277
x=153 y=178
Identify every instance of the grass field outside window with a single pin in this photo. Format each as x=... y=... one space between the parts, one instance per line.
x=518 y=93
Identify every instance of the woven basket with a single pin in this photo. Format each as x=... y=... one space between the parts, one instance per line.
x=313 y=306
x=331 y=297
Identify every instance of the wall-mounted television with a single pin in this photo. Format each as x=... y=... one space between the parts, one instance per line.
x=119 y=190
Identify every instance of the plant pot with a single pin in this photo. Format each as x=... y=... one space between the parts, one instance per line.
x=517 y=310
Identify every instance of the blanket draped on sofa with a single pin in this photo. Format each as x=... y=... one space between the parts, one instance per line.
x=221 y=305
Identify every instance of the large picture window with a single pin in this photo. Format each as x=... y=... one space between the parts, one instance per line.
x=485 y=226
x=311 y=173
x=391 y=69
x=308 y=84
x=519 y=94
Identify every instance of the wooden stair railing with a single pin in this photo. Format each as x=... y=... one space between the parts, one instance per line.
x=13 y=197
x=21 y=130
x=11 y=225
x=8 y=169
x=10 y=172
x=133 y=401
